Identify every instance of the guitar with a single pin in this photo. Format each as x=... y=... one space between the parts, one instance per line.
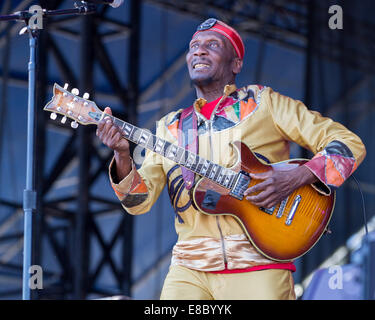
x=281 y=233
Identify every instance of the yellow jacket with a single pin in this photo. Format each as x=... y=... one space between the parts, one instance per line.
x=264 y=120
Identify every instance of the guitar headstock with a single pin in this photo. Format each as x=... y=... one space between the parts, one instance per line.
x=70 y=105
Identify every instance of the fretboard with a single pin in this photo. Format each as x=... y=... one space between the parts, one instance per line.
x=220 y=175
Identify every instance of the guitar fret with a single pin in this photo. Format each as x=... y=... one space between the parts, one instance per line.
x=195 y=164
x=127 y=129
x=222 y=179
x=144 y=137
x=226 y=180
x=180 y=154
x=212 y=172
x=185 y=157
x=190 y=159
x=151 y=142
x=117 y=122
x=221 y=176
x=172 y=152
x=205 y=167
x=165 y=149
x=200 y=165
x=135 y=135
x=232 y=180
x=217 y=175
x=159 y=145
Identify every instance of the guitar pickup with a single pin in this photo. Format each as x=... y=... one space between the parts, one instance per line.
x=268 y=210
x=293 y=210
x=281 y=209
x=240 y=185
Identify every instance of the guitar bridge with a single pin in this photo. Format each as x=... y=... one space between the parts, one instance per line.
x=240 y=185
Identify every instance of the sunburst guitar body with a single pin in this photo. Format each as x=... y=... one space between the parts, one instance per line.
x=282 y=233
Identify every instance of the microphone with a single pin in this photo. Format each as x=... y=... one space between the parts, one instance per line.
x=112 y=3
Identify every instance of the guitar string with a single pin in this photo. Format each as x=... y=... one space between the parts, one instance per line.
x=229 y=173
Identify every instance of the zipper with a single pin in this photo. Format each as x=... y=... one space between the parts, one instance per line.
x=210 y=122
x=210 y=130
x=222 y=241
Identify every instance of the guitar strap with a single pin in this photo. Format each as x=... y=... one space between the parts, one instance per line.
x=188 y=139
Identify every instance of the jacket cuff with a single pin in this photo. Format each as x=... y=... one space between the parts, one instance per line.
x=123 y=187
x=319 y=186
x=333 y=165
x=131 y=190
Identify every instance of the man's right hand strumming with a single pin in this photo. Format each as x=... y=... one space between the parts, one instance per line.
x=112 y=137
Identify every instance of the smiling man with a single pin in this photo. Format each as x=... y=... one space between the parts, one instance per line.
x=213 y=259
x=212 y=60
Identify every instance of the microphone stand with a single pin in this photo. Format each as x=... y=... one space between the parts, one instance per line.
x=29 y=194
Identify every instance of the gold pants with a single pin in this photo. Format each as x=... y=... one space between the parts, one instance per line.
x=185 y=284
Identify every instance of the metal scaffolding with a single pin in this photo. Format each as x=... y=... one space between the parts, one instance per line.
x=69 y=223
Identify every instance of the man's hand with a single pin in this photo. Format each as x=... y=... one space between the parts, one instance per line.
x=112 y=137
x=277 y=185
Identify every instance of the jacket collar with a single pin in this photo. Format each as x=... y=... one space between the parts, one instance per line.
x=200 y=102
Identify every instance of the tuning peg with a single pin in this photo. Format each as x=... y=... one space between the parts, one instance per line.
x=53 y=116
x=63 y=120
x=66 y=86
x=75 y=91
x=74 y=124
x=86 y=96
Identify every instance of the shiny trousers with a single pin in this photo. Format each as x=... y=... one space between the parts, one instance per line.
x=185 y=284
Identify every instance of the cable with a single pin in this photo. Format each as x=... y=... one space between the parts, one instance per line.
x=363 y=204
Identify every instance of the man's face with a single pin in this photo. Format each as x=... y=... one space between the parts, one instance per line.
x=210 y=58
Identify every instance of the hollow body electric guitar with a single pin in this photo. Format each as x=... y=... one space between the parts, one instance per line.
x=281 y=233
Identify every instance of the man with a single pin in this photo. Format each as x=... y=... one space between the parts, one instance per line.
x=212 y=258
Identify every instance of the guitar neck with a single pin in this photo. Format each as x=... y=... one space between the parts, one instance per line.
x=86 y=112
x=220 y=175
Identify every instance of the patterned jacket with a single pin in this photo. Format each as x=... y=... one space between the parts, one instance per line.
x=264 y=120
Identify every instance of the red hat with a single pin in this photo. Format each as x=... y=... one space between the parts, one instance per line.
x=227 y=31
